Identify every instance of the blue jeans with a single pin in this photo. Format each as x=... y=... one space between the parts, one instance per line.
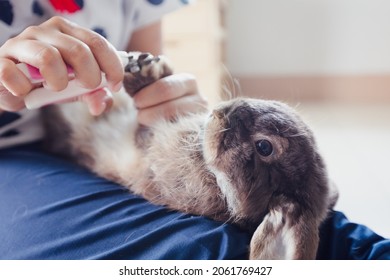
x=53 y=209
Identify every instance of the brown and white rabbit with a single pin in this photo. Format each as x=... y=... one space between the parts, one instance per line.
x=249 y=162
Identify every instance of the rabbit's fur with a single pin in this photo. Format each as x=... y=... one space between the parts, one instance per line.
x=249 y=162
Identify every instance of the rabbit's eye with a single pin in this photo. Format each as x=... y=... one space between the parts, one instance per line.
x=264 y=147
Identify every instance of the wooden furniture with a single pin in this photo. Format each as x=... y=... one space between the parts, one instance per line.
x=193 y=38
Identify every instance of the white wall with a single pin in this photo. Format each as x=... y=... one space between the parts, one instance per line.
x=279 y=37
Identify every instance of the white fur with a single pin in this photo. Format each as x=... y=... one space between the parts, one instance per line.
x=228 y=190
x=283 y=244
x=224 y=183
x=276 y=237
x=122 y=158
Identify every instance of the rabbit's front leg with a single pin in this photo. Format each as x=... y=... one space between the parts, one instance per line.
x=144 y=69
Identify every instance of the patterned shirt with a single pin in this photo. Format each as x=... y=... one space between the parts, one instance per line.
x=116 y=20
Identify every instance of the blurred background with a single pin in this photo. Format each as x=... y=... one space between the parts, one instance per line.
x=330 y=59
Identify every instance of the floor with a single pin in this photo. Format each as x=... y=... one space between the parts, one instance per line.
x=355 y=142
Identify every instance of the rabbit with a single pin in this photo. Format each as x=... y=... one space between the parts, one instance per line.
x=250 y=162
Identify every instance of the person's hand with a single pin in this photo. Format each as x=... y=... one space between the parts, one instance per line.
x=169 y=97
x=50 y=47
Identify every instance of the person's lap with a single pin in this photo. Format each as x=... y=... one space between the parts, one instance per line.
x=52 y=209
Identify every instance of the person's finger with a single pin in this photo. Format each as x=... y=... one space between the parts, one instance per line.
x=57 y=40
x=75 y=53
x=168 y=88
x=98 y=101
x=41 y=55
x=50 y=47
x=12 y=80
x=172 y=109
x=104 y=53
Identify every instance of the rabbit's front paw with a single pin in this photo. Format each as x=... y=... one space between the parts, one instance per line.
x=144 y=69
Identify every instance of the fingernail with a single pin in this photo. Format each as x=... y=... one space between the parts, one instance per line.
x=102 y=107
x=98 y=109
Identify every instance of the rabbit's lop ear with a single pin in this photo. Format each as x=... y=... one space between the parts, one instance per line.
x=286 y=232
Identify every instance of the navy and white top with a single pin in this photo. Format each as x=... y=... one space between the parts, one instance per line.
x=113 y=19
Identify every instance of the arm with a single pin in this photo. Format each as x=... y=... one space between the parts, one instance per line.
x=169 y=97
x=147 y=39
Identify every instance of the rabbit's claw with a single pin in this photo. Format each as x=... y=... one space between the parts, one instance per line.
x=144 y=69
